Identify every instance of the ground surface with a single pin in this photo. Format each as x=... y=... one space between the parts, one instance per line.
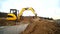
x=36 y=26
x=12 y=29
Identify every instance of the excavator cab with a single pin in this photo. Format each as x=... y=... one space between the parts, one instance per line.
x=9 y=16
x=14 y=11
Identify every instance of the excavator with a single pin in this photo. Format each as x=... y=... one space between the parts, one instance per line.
x=14 y=14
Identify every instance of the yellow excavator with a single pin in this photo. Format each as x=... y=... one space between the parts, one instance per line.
x=15 y=14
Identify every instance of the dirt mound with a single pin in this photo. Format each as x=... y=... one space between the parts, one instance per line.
x=40 y=26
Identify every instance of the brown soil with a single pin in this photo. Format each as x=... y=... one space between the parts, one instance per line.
x=37 y=25
x=40 y=26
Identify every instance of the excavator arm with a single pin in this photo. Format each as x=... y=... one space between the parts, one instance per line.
x=23 y=9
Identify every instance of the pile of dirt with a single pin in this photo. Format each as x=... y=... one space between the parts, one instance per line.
x=40 y=26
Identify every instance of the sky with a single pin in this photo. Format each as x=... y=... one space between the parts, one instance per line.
x=44 y=8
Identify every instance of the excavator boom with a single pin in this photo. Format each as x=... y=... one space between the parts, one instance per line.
x=23 y=9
